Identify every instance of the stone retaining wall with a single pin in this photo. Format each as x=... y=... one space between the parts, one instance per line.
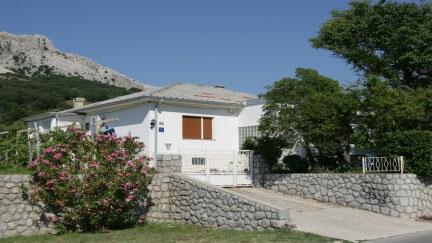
x=181 y=199
x=399 y=195
x=17 y=215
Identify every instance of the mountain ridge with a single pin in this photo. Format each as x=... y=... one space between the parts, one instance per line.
x=33 y=54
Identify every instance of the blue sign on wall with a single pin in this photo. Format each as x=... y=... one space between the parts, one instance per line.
x=161 y=129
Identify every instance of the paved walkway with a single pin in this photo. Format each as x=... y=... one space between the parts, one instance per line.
x=417 y=237
x=336 y=221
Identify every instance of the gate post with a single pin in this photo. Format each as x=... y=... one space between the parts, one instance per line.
x=235 y=156
x=207 y=165
x=401 y=161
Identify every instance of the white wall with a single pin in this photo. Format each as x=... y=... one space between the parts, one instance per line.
x=67 y=121
x=250 y=115
x=133 y=120
x=43 y=125
x=136 y=121
x=225 y=129
x=50 y=123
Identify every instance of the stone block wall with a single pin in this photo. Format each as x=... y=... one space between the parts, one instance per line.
x=168 y=163
x=17 y=215
x=181 y=199
x=161 y=202
x=399 y=195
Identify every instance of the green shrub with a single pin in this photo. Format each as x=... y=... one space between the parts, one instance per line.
x=269 y=148
x=250 y=143
x=13 y=151
x=414 y=145
x=296 y=164
x=91 y=184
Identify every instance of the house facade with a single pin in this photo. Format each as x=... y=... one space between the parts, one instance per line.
x=170 y=119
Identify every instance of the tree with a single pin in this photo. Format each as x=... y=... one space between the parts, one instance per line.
x=386 y=109
x=397 y=122
x=387 y=39
x=314 y=110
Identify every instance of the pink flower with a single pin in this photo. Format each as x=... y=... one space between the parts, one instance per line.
x=41 y=174
x=63 y=176
x=35 y=162
x=131 y=164
x=145 y=170
x=127 y=186
x=48 y=150
x=105 y=202
x=94 y=165
x=53 y=218
x=141 y=220
x=50 y=184
x=130 y=197
x=46 y=162
x=57 y=156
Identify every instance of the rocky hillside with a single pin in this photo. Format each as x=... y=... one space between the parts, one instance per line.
x=32 y=54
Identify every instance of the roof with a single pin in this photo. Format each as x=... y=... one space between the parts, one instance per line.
x=200 y=92
x=50 y=115
x=180 y=92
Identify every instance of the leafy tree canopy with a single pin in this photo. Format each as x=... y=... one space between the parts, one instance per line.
x=313 y=109
x=388 y=39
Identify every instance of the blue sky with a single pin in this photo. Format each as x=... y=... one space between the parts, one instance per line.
x=242 y=44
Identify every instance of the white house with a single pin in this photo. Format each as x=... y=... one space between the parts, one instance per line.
x=173 y=119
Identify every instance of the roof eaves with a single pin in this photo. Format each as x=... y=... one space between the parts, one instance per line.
x=47 y=115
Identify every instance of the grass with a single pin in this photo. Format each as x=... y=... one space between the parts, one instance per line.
x=174 y=233
x=13 y=170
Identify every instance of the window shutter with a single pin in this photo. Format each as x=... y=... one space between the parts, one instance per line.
x=191 y=127
x=207 y=128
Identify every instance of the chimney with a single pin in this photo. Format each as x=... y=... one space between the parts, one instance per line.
x=78 y=102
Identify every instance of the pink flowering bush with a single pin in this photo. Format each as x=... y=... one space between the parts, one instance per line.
x=92 y=183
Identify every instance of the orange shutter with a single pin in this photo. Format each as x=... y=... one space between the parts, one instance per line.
x=191 y=127
x=208 y=128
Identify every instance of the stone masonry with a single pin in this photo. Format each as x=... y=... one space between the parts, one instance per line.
x=174 y=198
x=17 y=215
x=399 y=195
x=180 y=199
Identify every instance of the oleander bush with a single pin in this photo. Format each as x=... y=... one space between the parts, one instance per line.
x=91 y=183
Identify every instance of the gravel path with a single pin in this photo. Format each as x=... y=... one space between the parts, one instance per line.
x=334 y=220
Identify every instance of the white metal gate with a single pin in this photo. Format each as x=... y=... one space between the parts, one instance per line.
x=225 y=168
x=383 y=164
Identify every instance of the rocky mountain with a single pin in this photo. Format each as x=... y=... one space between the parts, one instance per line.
x=30 y=54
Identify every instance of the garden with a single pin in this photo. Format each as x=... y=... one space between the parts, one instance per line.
x=99 y=183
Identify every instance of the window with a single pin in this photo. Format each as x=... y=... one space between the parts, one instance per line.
x=207 y=128
x=197 y=127
x=247 y=132
x=198 y=161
